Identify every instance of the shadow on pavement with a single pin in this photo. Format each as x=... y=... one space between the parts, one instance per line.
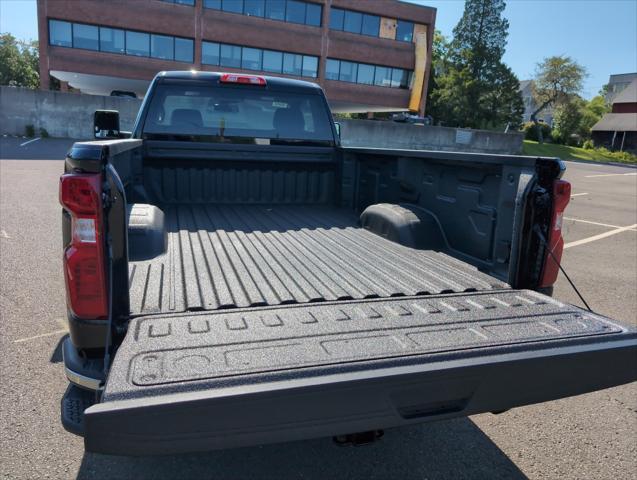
x=440 y=450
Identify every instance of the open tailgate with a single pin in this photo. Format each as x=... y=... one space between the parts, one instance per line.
x=207 y=380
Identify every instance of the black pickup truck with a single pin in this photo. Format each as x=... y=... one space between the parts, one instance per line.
x=236 y=277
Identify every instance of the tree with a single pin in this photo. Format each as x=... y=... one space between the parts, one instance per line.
x=18 y=62
x=557 y=80
x=472 y=87
x=567 y=120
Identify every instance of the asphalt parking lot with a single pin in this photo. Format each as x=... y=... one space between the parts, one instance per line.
x=584 y=437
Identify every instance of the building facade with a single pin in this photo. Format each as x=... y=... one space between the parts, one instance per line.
x=369 y=56
x=617 y=130
x=545 y=115
x=616 y=84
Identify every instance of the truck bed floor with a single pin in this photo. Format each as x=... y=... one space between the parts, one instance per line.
x=223 y=256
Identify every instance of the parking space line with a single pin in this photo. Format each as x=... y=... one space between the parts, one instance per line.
x=594 y=223
x=578 y=194
x=600 y=236
x=29 y=141
x=35 y=337
x=612 y=175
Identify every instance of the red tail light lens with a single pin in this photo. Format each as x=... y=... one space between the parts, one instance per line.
x=561 y=197
x=244 y=79
x=84 y=261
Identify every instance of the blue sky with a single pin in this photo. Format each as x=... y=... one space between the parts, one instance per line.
x=599 y=34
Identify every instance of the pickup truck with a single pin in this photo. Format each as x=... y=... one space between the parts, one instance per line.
x=235 y=277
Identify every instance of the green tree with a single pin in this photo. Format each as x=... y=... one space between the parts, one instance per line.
x=472 y=87
x=567 y=121
x=18 y=62
x=557 y=81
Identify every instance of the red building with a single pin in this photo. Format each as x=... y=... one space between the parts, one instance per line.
x=367 y=55
x=618 y=130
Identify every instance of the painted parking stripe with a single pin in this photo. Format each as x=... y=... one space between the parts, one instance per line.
x=34 y=337
x=599 y=237
x=593 y=223
x=578 y=194
x=29 y=141
x=612 y=175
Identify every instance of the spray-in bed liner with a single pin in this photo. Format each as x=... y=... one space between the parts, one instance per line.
x=223 y=256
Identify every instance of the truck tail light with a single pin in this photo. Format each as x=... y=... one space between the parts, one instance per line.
x=84 y=260
x=561 y=197
x=244 y=79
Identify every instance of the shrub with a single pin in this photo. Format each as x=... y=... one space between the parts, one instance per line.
x=29 y=131
x=530 y=131
x=44 y=133
x=588 y=145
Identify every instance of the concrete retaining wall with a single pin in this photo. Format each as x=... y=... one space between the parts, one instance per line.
x=61 y=114
x=371 y=133
x=71 y=115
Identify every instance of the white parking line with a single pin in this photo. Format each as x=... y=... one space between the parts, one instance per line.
x=29 y=141
x=594 y=223
x=612 y=175
x=578 y=194
x=56 y=332
x=600 y=236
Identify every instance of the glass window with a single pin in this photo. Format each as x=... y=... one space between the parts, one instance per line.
x=111 y=40
x=400 y=78
x=216 y=4
x=404 y=31
x=382 y=76
x=352 y=22
x=161 y=46
x=230 y=56
x=185 y=2
x=275 y=9
x=234 y=6
x=310 y=66
x=210 y=53
x=251 y=58
x=331 y=69
x=336 y=18
x=184 y=50
x=371 y=25
x=295 y=12
x=137 y=43
x=272 y=61
x=292 y=64
x=313 y=14
x=365 y=74
x=85 y=36
x=60 y=33
x=348 y=71
x=254 y=8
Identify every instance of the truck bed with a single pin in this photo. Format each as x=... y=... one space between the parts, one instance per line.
x=226 y=256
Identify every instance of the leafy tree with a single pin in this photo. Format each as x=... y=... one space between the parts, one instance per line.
x=557 y=80
x=18 y=62
x=472 y=87
x=567 y=121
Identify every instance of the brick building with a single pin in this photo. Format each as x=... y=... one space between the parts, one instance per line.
x=369 y=56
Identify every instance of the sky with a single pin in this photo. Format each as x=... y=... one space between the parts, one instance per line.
x=599 y=34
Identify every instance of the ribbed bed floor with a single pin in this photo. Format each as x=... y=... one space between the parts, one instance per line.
x=222 y=256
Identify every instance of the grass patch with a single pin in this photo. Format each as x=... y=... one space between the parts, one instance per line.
x=574 y=153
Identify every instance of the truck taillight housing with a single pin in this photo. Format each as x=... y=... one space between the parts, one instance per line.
x=561 y=197
x=84 y=260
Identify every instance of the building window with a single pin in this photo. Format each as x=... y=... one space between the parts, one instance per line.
x=254 y=8
x=272 y=61
x=60 y=33
x=404 y=31
x=353 y=21
x=162 y=46
x=114 y=40
x=366 y=74
x=210 y=53
x=257 y=59
x=293 y=11
x=336 y=18
x=230 y=56
x=371 y=25
x=181 y=2
x=184 y=49
x=137 y=43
